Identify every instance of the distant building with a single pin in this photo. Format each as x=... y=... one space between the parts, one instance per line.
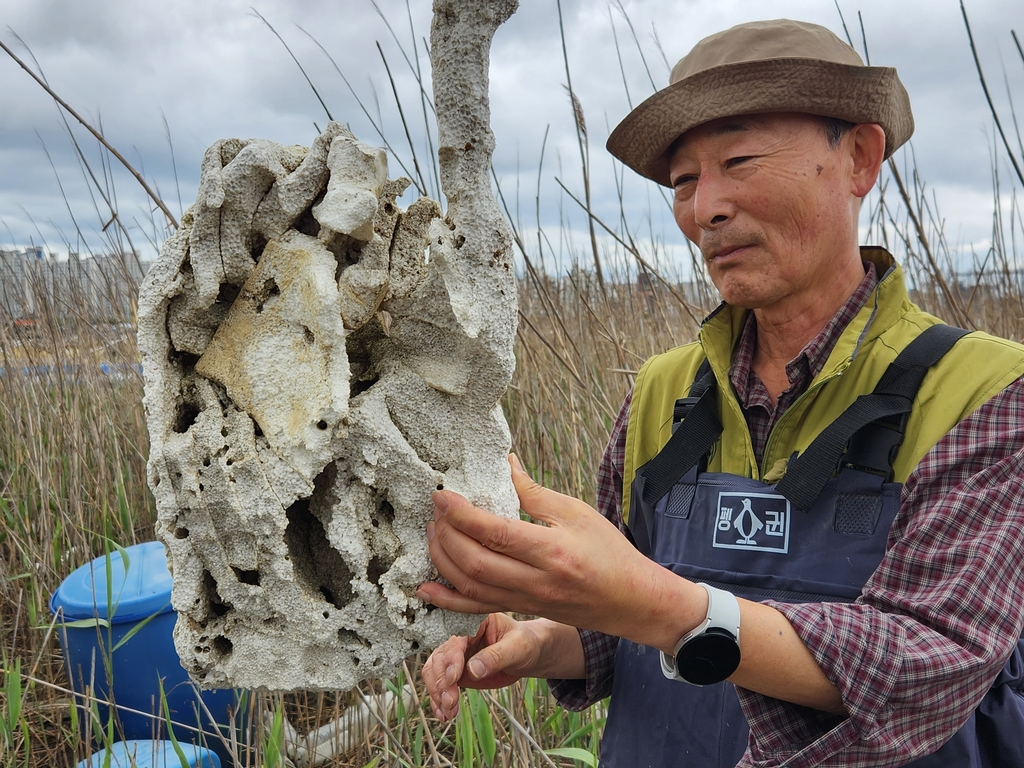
x=98 y=288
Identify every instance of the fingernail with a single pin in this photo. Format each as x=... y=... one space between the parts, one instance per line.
x=430 y=531
x=446 y=700
x=422 y=595
x=477 y=668
x=437 y=713
x=440 y=503
x=516 y=463
x=450 y=674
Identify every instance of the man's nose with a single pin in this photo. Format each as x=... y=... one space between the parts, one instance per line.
x=712 y=205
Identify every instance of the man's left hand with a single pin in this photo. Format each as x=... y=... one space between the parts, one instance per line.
x=576 y=568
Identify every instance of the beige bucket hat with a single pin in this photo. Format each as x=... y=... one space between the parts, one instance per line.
x=762 y=66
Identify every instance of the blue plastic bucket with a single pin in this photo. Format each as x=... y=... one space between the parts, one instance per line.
x=113 y=598
x=151 y=754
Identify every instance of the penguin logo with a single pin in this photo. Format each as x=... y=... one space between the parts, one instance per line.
x=747 y=524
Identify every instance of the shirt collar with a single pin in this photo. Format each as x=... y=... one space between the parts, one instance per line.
x=802 y=369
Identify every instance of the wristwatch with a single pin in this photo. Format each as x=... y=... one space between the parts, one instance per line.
x=711 y=652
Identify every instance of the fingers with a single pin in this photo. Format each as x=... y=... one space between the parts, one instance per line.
x=480 y=575
x=542 y=503
x=499 y=654
x=527 y=489
x=516 y=538
x=494 y=563
x=506 y=654
x=444 y=597
x=441 y=672
x=499 y=534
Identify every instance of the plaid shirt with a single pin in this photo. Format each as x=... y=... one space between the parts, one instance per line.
x=936 y=621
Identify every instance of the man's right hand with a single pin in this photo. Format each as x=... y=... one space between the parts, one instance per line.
x=502 y=651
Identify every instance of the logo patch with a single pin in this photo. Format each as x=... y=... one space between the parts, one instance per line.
x=754 y=521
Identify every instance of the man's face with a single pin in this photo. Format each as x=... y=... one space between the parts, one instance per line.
x=768 y=203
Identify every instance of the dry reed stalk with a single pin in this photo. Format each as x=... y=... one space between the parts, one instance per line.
x=99 y=136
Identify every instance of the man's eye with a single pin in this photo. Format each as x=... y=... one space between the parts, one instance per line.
x=732 y=162
x=680 y=181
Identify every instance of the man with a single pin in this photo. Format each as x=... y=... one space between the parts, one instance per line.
x=835 y=527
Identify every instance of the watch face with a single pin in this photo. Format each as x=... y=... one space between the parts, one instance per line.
x=708 y=658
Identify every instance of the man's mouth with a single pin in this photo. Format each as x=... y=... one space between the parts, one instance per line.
x=719 y=254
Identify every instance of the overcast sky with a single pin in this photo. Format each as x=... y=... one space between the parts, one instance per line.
x=211 y=69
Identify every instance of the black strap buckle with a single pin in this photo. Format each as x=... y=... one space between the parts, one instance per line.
x=874 y=447
x=681 y=410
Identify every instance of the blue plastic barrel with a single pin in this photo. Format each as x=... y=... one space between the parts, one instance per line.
x=101 y=604
x=151 y=754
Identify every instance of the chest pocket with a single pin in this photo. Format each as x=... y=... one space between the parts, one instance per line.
x=744 y=536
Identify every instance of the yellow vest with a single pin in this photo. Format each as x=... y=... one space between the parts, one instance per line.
x=976 y=369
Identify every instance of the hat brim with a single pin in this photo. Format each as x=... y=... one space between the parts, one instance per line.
x=858 y=94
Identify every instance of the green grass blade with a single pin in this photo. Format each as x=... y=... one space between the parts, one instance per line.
x=530 y=697
x=274 y=744
x=464 y=736
x=26 y=740
x=123 y=509
x=170 y=728
x=95 y=723
x=72 y=731
x=126 y=561
x=482 y=726
x=84 y=623
x=417 y=745
x=140 y=625
x=12 y=691
x=108 y=568
x=573 y=753
x=578 y=734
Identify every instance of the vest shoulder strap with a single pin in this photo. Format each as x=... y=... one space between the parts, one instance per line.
x=687 y=446
x=869 y=433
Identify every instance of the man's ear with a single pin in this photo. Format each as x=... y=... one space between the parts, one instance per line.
x=866 y=146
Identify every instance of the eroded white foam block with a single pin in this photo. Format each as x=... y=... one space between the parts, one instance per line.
x=317 y=362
